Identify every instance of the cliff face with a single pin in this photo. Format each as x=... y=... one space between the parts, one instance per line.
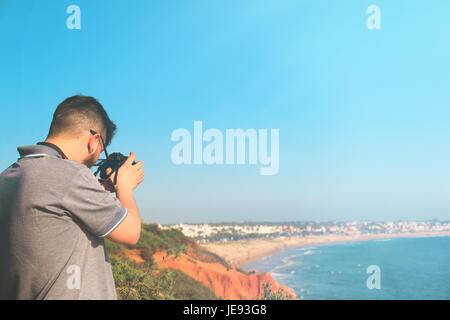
x=226 y=283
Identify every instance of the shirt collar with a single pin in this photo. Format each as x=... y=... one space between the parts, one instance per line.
x=26 y=151
x=55 y=147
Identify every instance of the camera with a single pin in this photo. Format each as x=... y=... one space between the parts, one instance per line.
x=114 y=162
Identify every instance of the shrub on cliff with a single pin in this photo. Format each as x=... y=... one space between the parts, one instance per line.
x=186 y=288
x=271 y=294
x=141 y=283
x=153 y=239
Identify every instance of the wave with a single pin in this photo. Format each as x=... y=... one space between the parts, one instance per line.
x=306 y=248
x=286 y=264
x=290 y=260
x=279 y=276
x=303 y=252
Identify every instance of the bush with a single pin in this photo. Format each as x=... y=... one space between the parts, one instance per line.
x=270 y=294
x=133 y=283
x=187 y=288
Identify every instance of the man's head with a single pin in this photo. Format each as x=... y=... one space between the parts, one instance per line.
x=78 y=127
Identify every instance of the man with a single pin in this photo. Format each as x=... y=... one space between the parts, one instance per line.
x=54 y=214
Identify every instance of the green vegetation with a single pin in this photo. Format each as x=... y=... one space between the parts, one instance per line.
x=153 y=239
x=270 y=294
x=134 y=282
x=144 y=281
x=186 y=287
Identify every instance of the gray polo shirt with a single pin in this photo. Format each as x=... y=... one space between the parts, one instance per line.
x=54 y=215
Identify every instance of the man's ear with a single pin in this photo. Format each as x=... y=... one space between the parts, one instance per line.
x=92 y=144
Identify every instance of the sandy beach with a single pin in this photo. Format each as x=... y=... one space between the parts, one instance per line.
x=241 y=253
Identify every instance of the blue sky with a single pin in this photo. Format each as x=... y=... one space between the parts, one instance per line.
x=363 y=114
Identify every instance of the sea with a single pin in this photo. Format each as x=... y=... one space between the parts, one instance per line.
x=382 y=269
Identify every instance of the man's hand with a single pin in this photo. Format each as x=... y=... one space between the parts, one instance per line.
x=129 y=175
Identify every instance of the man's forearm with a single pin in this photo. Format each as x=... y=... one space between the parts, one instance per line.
x=126 y=198
x=131 y=226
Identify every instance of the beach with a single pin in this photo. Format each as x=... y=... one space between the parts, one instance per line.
x=242 y=252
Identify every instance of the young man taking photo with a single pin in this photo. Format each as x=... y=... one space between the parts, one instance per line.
x=54 y=213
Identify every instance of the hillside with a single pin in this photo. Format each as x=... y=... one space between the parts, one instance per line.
x=165 y=264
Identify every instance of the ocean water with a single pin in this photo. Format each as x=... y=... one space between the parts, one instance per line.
x=409 y=268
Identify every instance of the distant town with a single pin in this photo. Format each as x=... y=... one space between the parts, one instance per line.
x=223 y=232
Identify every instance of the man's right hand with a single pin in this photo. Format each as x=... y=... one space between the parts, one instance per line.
x=129 y=175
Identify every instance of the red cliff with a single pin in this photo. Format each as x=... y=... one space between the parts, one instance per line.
x=226 y=283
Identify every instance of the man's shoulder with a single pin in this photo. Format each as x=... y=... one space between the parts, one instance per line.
x=56 y=167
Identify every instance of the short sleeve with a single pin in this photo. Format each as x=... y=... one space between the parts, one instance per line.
x=98 y=211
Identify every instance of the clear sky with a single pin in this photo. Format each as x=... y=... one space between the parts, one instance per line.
x=363 y=114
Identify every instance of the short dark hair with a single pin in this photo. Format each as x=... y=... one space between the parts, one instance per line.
x=82 y=113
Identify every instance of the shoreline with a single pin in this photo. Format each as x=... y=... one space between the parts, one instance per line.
x=241 y=253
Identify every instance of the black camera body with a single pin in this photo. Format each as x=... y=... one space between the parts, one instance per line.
x=114 y=162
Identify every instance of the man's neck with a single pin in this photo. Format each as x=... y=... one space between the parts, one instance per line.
x=68 y=147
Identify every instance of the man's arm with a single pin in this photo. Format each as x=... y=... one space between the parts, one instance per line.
x=129 y=231
x=130 y=176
